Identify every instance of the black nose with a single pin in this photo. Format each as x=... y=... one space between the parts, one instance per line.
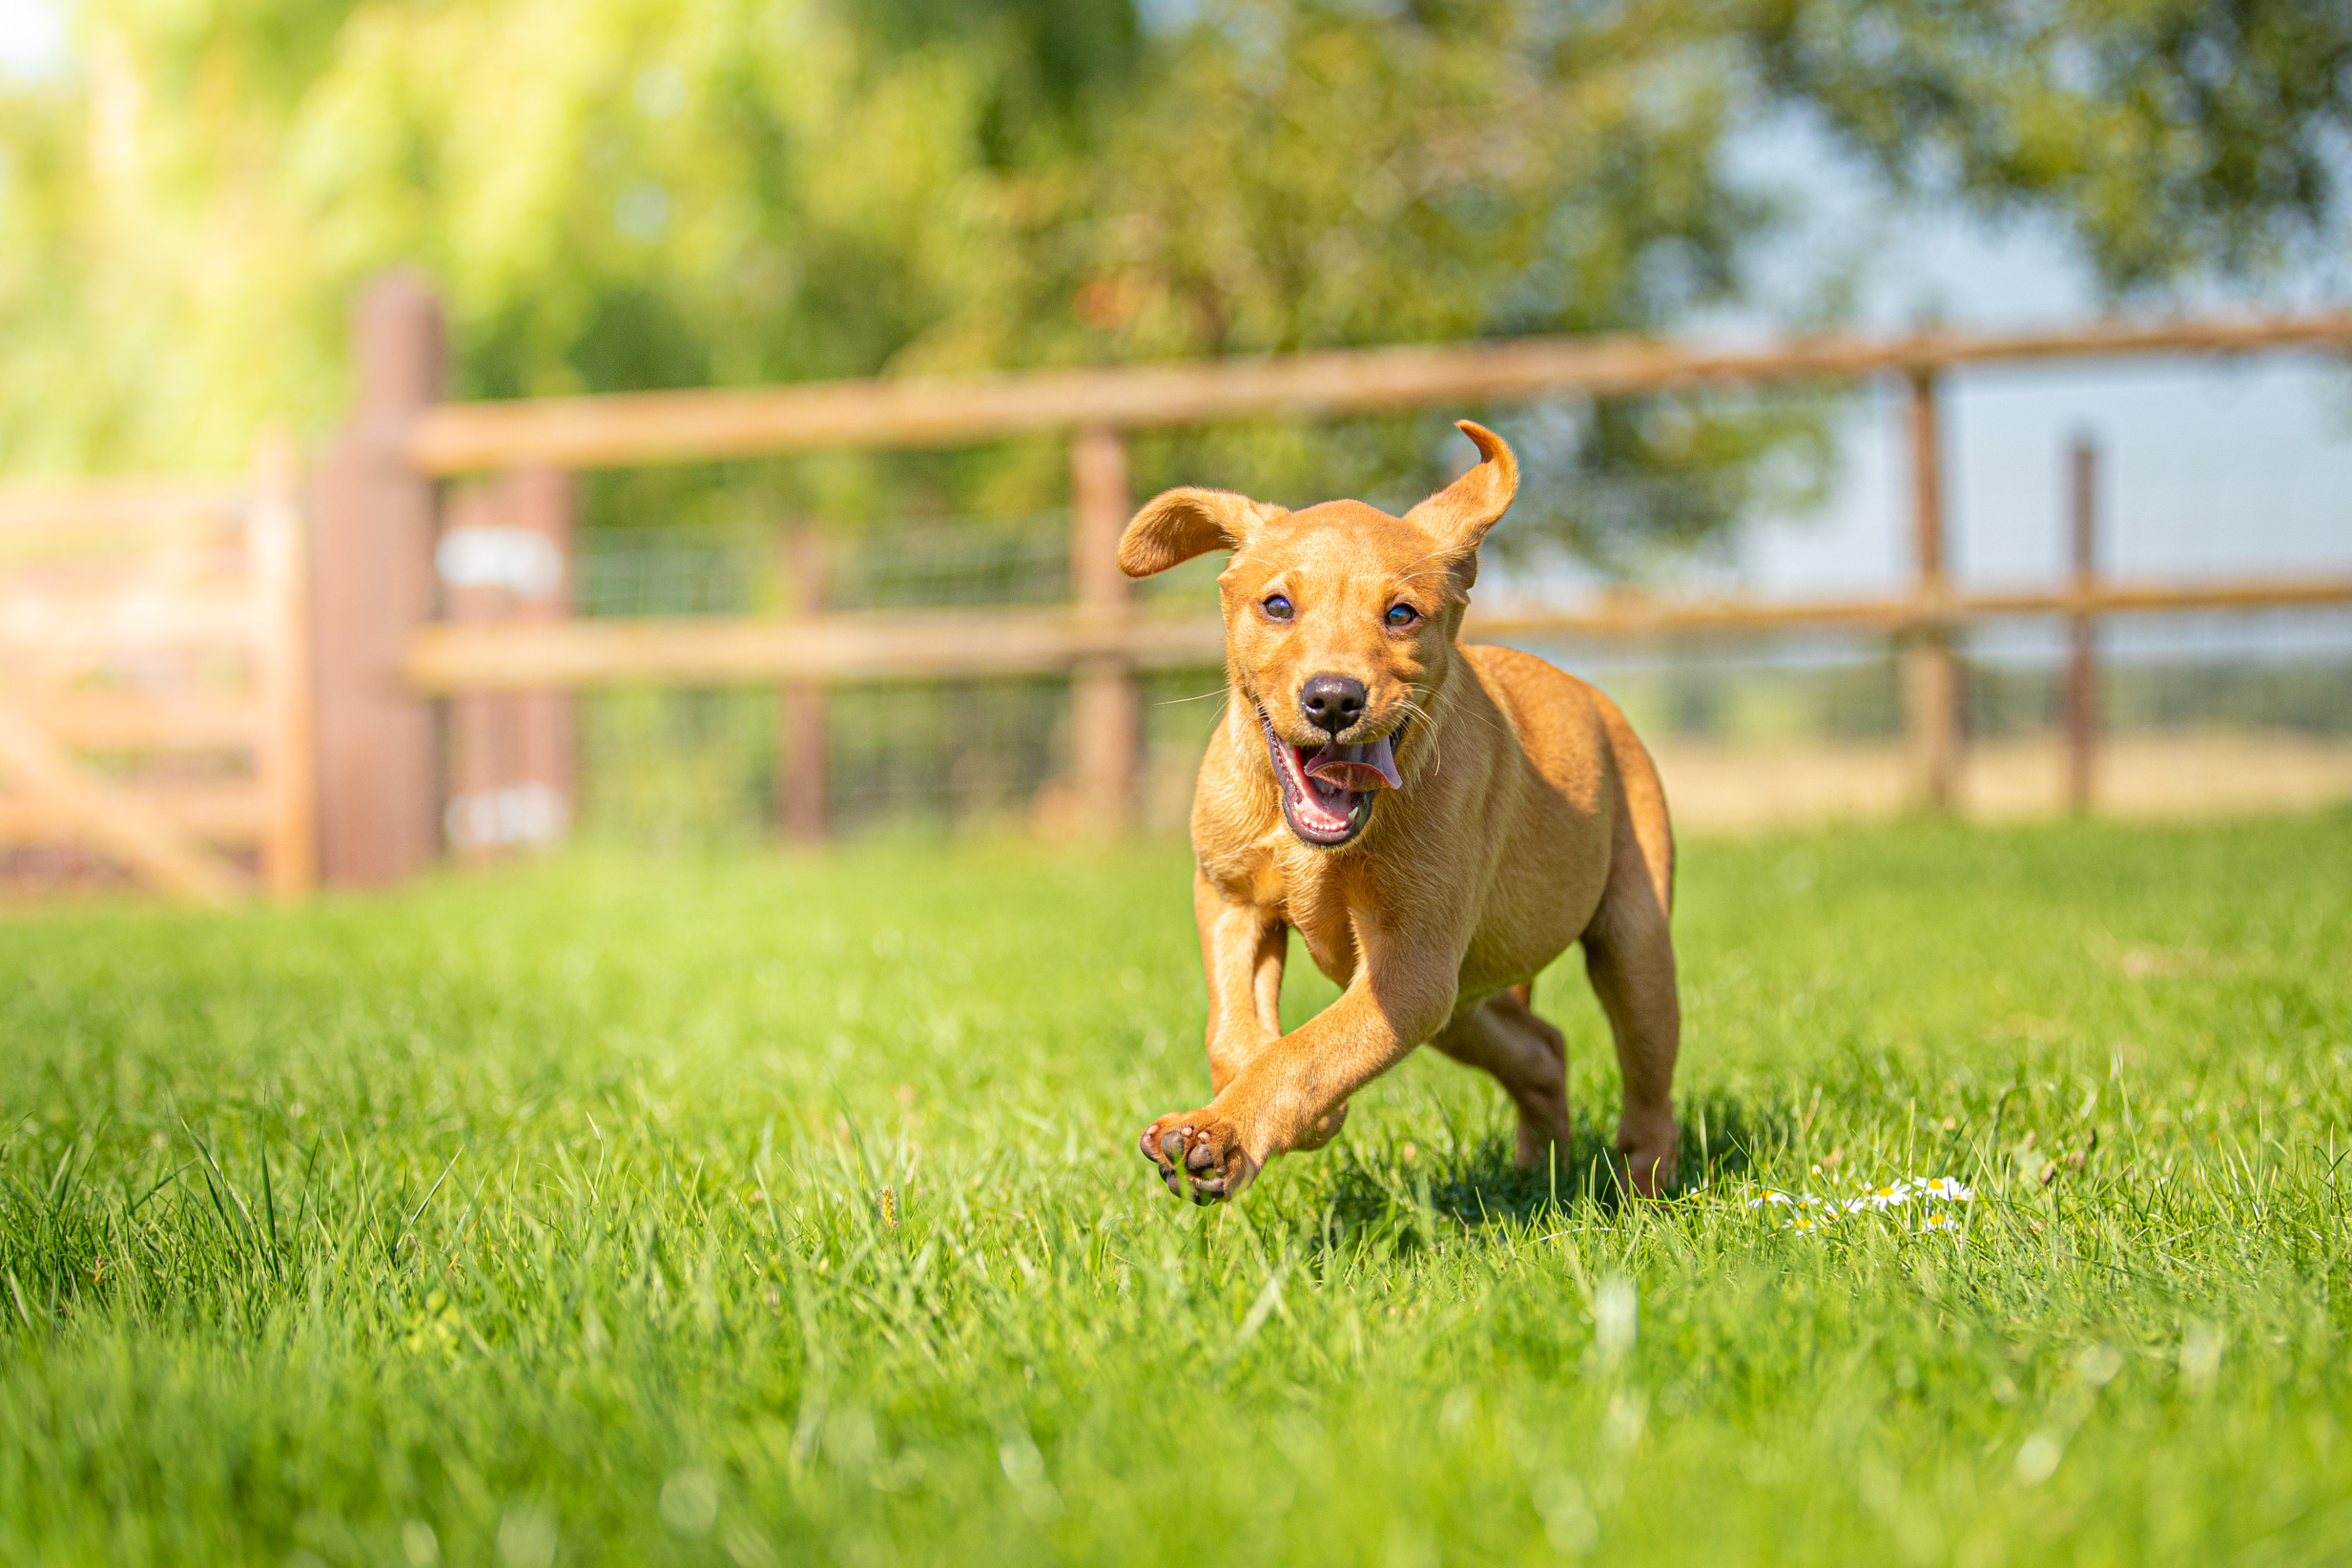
x=1332 y=702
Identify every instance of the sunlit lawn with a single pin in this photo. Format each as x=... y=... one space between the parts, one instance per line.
x=777 y=1211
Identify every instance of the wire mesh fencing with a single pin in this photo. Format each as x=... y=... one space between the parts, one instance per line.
x=680 y=766
x=673 y=765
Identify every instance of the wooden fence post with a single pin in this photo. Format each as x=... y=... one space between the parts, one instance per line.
x=542 y=502
x=284 y=751
x=505 y=559
x=2082 y=670
x=372 y=578
x=478 y=721
x=800 y=705
x=1106 y=708
x=1932 y=692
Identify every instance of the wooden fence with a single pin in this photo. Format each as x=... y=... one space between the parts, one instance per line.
x=441 y=574
x=1103 y=638
x=155 y=702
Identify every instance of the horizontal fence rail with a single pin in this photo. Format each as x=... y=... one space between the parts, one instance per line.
x=130 y=504
x=625 y=429
x=965 y=645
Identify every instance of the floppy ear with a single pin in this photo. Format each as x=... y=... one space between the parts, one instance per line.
x=1458 y=516
x=1175 y=526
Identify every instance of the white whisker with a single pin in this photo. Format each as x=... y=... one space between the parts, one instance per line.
x=1170 y=702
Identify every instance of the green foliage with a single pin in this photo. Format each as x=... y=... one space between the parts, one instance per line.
x=641 y=192
x=2166 y=134
x=619 y=194
x=787 y=1209
x=632 y=192
x=1308 y=176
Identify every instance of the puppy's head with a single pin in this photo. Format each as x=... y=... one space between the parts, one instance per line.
x=1339 y=621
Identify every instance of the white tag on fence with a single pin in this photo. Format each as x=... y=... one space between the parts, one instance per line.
x=519 y=560
x=524 y=815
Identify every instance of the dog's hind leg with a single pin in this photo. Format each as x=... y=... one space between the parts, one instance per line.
x=1629 y=957
x=1504 y=1036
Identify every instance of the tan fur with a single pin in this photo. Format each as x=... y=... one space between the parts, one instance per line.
x=1531 y=817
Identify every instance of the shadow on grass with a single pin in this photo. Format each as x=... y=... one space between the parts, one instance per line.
x=1389 y=1194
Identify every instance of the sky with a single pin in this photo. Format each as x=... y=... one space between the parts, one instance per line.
x=2209 y=467
x=31 y=36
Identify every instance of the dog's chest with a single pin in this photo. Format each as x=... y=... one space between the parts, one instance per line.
x=1321 y=903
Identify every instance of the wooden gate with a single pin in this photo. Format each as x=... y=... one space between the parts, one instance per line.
x=154 y=708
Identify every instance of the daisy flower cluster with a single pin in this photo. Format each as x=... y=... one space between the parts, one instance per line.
x=1814 y=1213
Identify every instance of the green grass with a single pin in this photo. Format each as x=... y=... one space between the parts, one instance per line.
x=772 y=1212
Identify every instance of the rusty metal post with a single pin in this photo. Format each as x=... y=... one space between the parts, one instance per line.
x=800 y=705
x=1932 y=691
x=372 y=589
x=1105 y=705
x=2082 y=670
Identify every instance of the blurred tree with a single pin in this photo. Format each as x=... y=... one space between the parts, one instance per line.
x=1317 y=173
x=2169 y=135
x=622 y=193
x=611 y=192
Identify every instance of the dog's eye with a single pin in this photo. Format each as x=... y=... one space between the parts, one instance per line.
x=1401 y=615
x=1277 y=608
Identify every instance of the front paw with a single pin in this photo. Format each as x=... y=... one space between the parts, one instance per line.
x=1203 y=1149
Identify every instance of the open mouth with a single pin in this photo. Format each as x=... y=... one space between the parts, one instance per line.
x=1328 y=790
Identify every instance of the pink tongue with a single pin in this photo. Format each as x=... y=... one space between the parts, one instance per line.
x=1359 y=769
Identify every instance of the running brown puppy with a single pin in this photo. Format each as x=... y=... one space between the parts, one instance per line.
x=1437 y=821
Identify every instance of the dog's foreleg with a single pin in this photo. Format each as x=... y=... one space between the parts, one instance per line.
x=1288 y=1092
x=1243 y=949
